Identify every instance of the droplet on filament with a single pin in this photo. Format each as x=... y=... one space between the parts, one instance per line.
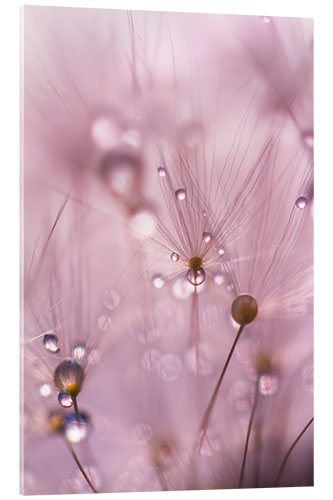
x=181 y=194
x=301 y=202
x=196 y=276
x=174 y=257
x=50 y=341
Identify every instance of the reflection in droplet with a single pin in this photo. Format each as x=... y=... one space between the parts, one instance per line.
x=206 y=236
x=268 y=385
x=174 y=257
x=196 y=276
x=158 y=281
x=301 y=202
x=180 y=194
x=218 y=279
x=79 y=352
x=50 y=341
x=170 y=367
x=75 y=431
x=65 y=399
x=162 y=171
x=111 y=299
x=151 y=359
x=142 y=223
x=45 y=390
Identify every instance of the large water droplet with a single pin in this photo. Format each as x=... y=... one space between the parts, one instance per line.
x=79 y=352
x=76 y=431
x=181 y=194
x=174 y=257
x=301 y=202
x=65 y=399
x=158 y=281
x=268 y=385
x=206 y=236
x=50 y=342
x=162 y=171
x=45 y=390
x=121 y=172
x=196 y=276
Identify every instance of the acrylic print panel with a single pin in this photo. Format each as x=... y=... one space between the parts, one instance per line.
x=168 y=213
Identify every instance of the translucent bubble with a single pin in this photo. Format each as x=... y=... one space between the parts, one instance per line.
x=174 y=257
x=45 y=390
x=266 y=19
x=181 y=289
x=268 y=385
x=50 y=341
x=143 y=223
x=196 y=276
x=162 y=171
x=65 y=399
x=142 y=434
x=170 y=367
x=151 y=359
x=104 y=322
x=301 y=202
x=199 y=359
x=104 y=133
x=218 y=279
x=79 y=352
x=206 y=237
x=158 y=281
x=111 y=299
x=76 y=431
x=181 y=194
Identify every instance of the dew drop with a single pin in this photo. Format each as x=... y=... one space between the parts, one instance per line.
x=301 y=202
x=221 y=252
x=79 y=352
x=207 y=237
x=268 y=385
x=65 y=399
x=174 y=257
x=161 y=171
x=121 y=172
x=45 y=390
x=181 y=194
x=218 y=279
x=266 y=19
x=158 y=281
x=50 y=342
x=196 y=276
x=76 y=431
x=143 y=223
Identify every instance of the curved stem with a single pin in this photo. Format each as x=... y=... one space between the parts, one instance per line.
x=81 y=469
x=254 y=406
x=284 y=461
x=208 y=412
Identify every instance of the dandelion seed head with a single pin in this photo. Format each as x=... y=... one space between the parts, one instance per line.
x=244 y=309
x=69 y=375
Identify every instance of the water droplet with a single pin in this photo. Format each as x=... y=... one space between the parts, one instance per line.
x=204 y=213
x=45 y=390
x=121 y=171
x=196 y=276
x=170 y=367
x=268 y=385
x=104 y=322
x=111 y=299
x=65 y=399
x=105 y=133
x=150 y=359
x=308 y=139
x=207 y=237
x=174 y=257
x=221 y=252
x=142 y=434
x=301 y=202
x=158 y=281
x=76 y=431
x=218 y=279
x=50 y=342
x=266 y=19
x=162 y=171
x=79 y=352
x=181 y=194
x=143 y=223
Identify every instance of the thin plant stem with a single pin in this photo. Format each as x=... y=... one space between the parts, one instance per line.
x=284 y=461
x=81 y=469
x=254 y=406
x=208 y=412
